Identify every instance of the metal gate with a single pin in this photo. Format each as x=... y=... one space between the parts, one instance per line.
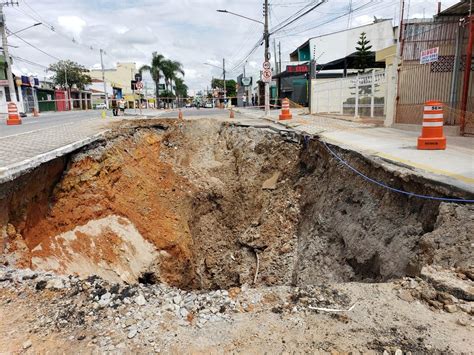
x=440 y=80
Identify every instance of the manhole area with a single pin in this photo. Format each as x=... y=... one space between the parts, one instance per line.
x=208 y=206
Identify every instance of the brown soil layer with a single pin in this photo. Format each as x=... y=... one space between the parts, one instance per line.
x=217 y=201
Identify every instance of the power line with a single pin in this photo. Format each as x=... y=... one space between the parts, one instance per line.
x=31 y=62
x=33 y=46
x=298 y=32
x=279 y=28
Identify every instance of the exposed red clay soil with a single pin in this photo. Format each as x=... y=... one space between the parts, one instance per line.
x=118 y=183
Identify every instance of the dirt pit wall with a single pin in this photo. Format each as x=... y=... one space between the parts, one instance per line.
x=205 y=205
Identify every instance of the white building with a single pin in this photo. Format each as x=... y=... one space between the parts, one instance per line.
x=332 y=46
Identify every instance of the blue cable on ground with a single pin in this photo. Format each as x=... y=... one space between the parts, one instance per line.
x=445 y=199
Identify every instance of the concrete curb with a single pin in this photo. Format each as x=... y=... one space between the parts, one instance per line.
x=11 y=172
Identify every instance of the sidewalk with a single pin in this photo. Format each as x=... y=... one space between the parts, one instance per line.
x=453 y=166
x=24 y=151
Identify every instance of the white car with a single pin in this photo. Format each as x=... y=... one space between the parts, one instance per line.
x=209 y=105
x=101 y=107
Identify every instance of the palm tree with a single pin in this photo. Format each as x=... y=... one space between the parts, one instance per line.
x=171 y=69
x=155 y=69
x=181 y=88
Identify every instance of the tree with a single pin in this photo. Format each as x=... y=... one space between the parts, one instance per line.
x=181 y=88
x=171 y=71
x=364 y=55
x=70 y=73
x=155 y=70
x=231 y=86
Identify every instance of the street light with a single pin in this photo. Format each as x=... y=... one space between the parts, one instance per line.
x=266 y=38
x=26 y=28
x=233 y=13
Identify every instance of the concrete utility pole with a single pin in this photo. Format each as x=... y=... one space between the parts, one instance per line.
x=276 y=56
x=225 y=88
x=279 y=57
x=266 y=36
x=11 y=85
x=103 y=78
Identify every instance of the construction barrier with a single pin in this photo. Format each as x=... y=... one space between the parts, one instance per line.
x=13 y=116
x=285 y=110
x=432 y=135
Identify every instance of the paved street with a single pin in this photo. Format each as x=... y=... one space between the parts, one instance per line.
x=48 y=120
x=41 y=139
x=187 y=112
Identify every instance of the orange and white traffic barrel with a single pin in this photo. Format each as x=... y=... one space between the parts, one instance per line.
x=432 y=135
x=13 y=116
x=285 y=110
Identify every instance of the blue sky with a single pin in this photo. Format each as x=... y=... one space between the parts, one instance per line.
x=190 y=31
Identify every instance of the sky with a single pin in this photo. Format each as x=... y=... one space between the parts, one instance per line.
x=189 y=31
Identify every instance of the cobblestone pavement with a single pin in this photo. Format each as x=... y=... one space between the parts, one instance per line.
x=29 y=149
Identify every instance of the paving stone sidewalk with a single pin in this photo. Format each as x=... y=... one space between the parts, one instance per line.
x=30 y=149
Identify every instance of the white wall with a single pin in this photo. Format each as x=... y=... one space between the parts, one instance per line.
x=340 y=44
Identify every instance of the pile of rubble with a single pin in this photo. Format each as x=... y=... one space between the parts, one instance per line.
x=448 y=290
x=66 y=304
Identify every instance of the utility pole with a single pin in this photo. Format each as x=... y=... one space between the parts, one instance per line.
x=276 y=56
x=11 y=85
x=266 y=36
x=103 y=78
x=279 y=57
x=225 y=89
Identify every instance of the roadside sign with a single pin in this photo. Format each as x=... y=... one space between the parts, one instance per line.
x=429 y=55
x=266 y=65
x=267 y=76
x=139 y=85
x=246 y=81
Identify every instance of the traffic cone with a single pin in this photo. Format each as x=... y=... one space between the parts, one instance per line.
x=180 y=114
x=432 y=135
x=285 y=110
x=232 y=113
x=35 y=113
x=13 y=116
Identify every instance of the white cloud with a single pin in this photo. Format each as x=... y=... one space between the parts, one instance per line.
x=72 y=24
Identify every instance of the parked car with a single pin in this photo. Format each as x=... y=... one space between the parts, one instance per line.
x=209 y=105
x=189 y=105
x=101 y=106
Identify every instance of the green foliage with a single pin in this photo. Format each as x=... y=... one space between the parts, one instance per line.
x=231 y=86
x=180 y=87
x=364 y=58
x=171 y=69
x=72 y=73
x=155 y=70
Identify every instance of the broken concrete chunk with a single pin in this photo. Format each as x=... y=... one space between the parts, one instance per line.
x=447 y=281
x=271 y=184
x=140 y=300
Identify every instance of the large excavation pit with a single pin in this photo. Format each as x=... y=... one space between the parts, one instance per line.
x=208 y=205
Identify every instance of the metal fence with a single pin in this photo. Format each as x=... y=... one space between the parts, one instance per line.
x=361 y=95
x=441 y=80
